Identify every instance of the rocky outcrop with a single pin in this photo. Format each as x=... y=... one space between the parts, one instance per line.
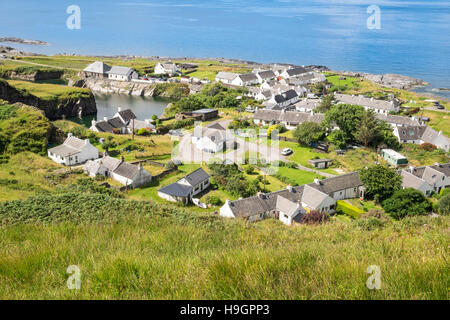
x=37 y=75
x=166 y=90
x=53 y=109
x=396 y=81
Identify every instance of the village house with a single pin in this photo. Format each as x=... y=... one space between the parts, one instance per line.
x=320 y=163
x=186 y=188
x=399 y=121
x=211 y=139
x=305 y=79
x=73 y=151
x=169 y=68
x=290 y=119
x=307 y=105
x=122 y=74
x=97 y=69
x=113 y=125
x=247 y=79
x=436 y=176
x=378 y=106
x=226 y=77
x=293 y=73
x=265 y=76
x=200 y=115
x=290 y=204
x=422 y=134
x=127 y=174
x=411 y=181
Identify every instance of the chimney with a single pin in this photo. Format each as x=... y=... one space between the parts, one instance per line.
x=93 y=123
x=122 y=159
x=411 y=168
x=86 y=141
x=227 y=202
x=440 y=132
x=119 y=109
x=260 y=195
x=437 y=164
x=70 y=134
x=140 y=166
x=289 y=188
x=105 y=118
x=317 y=181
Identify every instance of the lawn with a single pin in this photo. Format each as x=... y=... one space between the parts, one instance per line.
x=439 y=121
x=48 y=91
x=301 y=177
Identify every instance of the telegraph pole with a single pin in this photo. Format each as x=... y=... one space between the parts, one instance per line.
x=132 y=129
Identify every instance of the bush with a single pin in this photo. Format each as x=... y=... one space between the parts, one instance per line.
x=444 y=204
x=315 y=217
x=348 y=209
x=250 y=170
x=142 y=132
x=214 y=200
x=427 y=147
x=407 y=202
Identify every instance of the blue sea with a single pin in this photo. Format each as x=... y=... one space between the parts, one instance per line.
x=413 y=39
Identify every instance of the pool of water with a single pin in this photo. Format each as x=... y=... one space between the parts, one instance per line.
x=143 y=107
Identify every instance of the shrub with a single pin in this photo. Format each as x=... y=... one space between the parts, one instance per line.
x=250 y=170
x=214 y=200
x=444 y=204
x=407 y=202
x=427 y=147
x=348 y=209
x=315 y=217
x=142 y=132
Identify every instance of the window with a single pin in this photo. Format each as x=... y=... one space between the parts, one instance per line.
x=286 y=216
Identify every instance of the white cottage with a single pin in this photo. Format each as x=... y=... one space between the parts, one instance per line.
x=73 y=151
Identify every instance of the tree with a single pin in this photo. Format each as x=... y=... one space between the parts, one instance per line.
x=369 y=128
x=347 y=117
x=380 y=182
x=339 y=139
x=407 y=202
x=444 y=204
x=326 y=104
x=309 y=132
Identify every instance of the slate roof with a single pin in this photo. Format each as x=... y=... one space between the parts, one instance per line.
x=127 y=115
x=279 y=98
x=127 y=170
x=104 y=126
x=97 y=67
x=290 y=94
x=338 y=183
x=443 y=168
x=309 y=104
x=296 y=71
x=365 y=102
x=204 y=111
x=431 y=175
x=92 y=166
x=411 y=133
x=411 y=181
x=71 y=145
x=293 y=117
x=176 y=190
x=196 y=177
x=121 y=71
x=398 y=120
x=267 y=74
x=110 y=163
x=216 y=126
x=248 y=77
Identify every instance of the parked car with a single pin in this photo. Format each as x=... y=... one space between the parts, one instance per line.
x=286 y=151
x=440 y=106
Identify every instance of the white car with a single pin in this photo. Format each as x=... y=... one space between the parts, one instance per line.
x=286 y=151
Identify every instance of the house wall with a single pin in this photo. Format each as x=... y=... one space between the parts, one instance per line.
x=172 y=198
x=88 y=152
x=324 y=206
x=225 y=211
x=349 y=193
x=286 y=219
x=119 y=77
x=142 y=178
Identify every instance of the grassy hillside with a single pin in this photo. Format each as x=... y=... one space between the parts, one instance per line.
x=136 y=250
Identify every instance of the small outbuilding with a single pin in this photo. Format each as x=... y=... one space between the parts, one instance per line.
x=321 y=163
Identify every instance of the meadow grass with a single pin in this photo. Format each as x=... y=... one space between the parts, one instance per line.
x=208 y=257
x=49 y=91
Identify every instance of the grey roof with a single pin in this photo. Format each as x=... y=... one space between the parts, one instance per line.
x=226 y=75
x=267 y=74
x=196 y=177
x=338 y=183
x=313 y=197
x=139 y=124
x=432 y=136
x=411 y=181
x=104 y=126
x=92 y=166
x=293 y=117
x=71 y=145
x=176 y=189
x=127 y=115
x=319 y=160
x=116 y=123
x=290 y=94
x=296 y=71
x=216 y=126
x=127 y=170
x=279 y=98
x=398 y=120
x=110 y=163
x=443 y=168
x=288 y=207
x=97 y=67
x=309 y=104
x=122 y=71
x=248 y=77
x=411 y=133
x=365 y=102
x=431 y=175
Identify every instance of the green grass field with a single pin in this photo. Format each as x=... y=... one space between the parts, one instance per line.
x=206 y=257
x=48 y=91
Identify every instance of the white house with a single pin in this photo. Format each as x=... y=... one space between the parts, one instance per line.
x=422 y=134
x=209 y=139
x=379 y=106
x=292 y=73
x=127 y=174
x=97 y=69
x=122 y=74
x=307 y=105
x=169 y=68
x=265 y=76
x=187 y=187
x=73 y=151
x=226 y=77
x=247 y=79
x=411 y=181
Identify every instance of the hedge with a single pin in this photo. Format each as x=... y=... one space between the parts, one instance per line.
x=348 y=209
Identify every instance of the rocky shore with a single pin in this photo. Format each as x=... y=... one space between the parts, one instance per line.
x=389 y=80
